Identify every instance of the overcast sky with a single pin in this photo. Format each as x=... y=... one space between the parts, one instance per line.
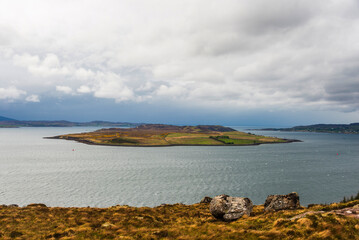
x=181 y=61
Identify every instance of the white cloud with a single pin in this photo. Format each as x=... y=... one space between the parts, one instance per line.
x=11 y=93
x=82 y=73
x=84 y=89
x=64 y=89
x=110 y=85
x=32 y=98
x=49 y=66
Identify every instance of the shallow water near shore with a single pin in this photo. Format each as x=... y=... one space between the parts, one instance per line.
x=322 y=169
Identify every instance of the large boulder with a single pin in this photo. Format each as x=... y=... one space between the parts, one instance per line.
x=282 y=202
x=228 y=208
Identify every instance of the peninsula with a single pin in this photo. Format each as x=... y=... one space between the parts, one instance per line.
x=352 y=128
x=170 y=135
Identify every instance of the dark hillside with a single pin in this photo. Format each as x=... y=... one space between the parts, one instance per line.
x=6 y=119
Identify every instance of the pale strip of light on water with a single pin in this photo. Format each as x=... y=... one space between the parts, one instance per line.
x=322 y=168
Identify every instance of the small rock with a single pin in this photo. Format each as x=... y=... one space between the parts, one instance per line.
x=305 y=214
x=229 y=208
x=206 y=200
x=13 y=206
x=281 y=202
x=36 y=205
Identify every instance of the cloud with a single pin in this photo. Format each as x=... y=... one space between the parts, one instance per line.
x=112 y=86
x=49 y=66
x=32 y=98
x=84 y=89
x=11 y=93
x=234 y=54
x=64 y=89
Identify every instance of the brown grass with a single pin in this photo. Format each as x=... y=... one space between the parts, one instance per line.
x=171 y=222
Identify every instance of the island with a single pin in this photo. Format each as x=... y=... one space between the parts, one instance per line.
x=170 y=135
x=352 y=128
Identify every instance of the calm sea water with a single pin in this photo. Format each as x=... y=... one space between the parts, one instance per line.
x=322 y=169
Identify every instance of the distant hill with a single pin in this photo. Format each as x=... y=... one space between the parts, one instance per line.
x=352 y=128
x=8 y=122
x=6 y=119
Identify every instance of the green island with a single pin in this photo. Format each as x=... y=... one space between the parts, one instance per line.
x=177 y=221
x=170 y=135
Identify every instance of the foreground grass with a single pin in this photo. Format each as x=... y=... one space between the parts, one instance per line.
x=173 y=222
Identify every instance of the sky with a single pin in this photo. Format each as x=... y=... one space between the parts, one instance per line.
x=230 y=62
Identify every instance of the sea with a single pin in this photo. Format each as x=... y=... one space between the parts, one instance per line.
x=323 y=168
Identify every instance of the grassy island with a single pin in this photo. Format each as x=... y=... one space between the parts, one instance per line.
x=178 y=221
x=169 y=135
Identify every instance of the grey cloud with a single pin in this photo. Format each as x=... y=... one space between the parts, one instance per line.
x=235 y=54
x=263 y=16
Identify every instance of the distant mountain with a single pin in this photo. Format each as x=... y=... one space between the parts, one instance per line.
x=327 y=128
x=7 y=122
x=6 y=119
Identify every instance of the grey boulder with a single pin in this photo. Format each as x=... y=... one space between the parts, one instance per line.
x=282 y=202
x=228 y=208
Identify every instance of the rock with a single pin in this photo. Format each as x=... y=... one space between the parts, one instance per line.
x=281 y=202
x=13 y=206
x=36 y=205
x=348 y=212
x=206 y=200
x=229 y=208
x=305 y=214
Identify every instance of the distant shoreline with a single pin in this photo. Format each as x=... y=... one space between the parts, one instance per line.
x=352 y=128
x=304 y=131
